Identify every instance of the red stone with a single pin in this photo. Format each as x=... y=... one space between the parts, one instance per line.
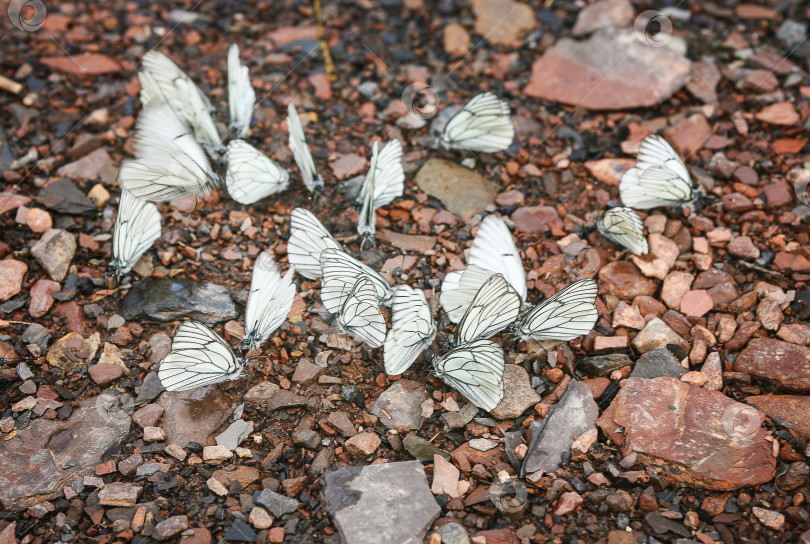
x=86 y=64
x=781 y=362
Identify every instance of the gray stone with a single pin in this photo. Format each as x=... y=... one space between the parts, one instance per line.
x=23 y=372
x=147 y=469
x=511 y=441
x=602 y=366
x=37 y=334
x=306 y=438
x=174 y=299
x=463 y=192
x=150 y=389
x=658 y=362
x=403 y=403
x=191 y=416
x=261 y=393
x=381 y=503
x=453 y=533
x=54 y=251
x=518 y=394
x=456 y=420
x=275 y=503
x=236 y=432
x=170 y=527
x=421 y=449
x=552 y=436
x=63 y=196
x=791 y=32
x=49 y=455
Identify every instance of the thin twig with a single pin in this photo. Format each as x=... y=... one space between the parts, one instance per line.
x=328 y=65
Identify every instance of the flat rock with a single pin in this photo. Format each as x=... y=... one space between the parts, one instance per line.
x=275 y=503
x=408 y=242
x=12 y=273
x=657 y=263
x=48 y=455
x=552 y=436
x=174 y=299
x=603 y=14
x=456 y=40
x=609 y=171
x=41 y=295
x=261 y=393
x=518 y=394
x=676 y=285
x=236 y=432
x=657 y=333
x=191 y=416
x=786 y=364
x=502 y=22
x=703 y=437
x=703 y=83
x=535 y=218
x=96 y=166
x=170 y=527
x=72 y=351
x=403 y=403
x=119 y=494
x=54 y=251
x=626 y=71
x=624 y=280
x=381 y=503
x=85 y=64
x=462 y=191
x=658 y=362
x=63 y=196
x=363 y=445
x=792 y=411
x=421 y=449
x=781 y=113
x=603 y=365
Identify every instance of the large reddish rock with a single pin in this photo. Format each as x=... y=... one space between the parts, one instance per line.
x=87 y=64
x=791 y=410
x=625 y=280
x=688 y=434
x=611 y=70
x=786 y=364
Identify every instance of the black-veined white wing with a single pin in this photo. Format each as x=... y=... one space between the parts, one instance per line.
x=483 y=125
x=660 y=177
x=412 y=329
x=623 y=226
x=360 y=314
x=494 y=249
x=136 y=229
x=198 y=357
x=459 y=292
x=300 y=150
x=251 y=174
x=163 y=81
x=495 y=307
x=241 y=95
x=270 y=300
x=384 y=182
x=340 y=273
x=475 y=370
x=168 y=160
x=569 y=313
x=308 y=238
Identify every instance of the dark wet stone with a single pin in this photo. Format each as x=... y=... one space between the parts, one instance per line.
x=275 y=503
x=421 y=449
x=240 y=532
x=658 y=362
x=173 y=299
x=37 y=334
x=150 y=389
x=353 y=394
x=602 y=366
x=63 y=196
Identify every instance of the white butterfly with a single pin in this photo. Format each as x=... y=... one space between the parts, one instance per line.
x=660 y=177
x=136 y=229
x=241 y=95
x=251 y=174
x=476 y=370
x=493 y=251
x=360 y=313
x=569 y=313
x=340 y=273
x=168 y=160
x=624 y=226
x=412 y=330
x=270 y=300
x=198 y=357
x=308 y=238
x=483 y=125
x=301 y=154
x=494 y=307
x=384 y=182
x=162 y=81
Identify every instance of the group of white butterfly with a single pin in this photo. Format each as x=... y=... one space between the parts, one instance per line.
x=176 y=129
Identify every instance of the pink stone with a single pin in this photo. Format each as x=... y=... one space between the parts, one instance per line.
x=568 y=503
x=348 y=165
x=38 y=220
x=12 y=273
x=41 y=297
x=696 y=303
x=610 y=343
x=445 y=477
x=676 y=285
x=781 y=113
x=663 y=254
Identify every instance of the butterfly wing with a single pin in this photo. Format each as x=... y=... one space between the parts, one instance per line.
x=458 y=294
x=168 y=160
x=308 y=238
x=241 y=95
x=494 y=307
x=656 y=151
x=623 y=226
x=476 y=371
x=412 y=330
x=569 y=313
x=270 y=300
x=366 y=220
x=494 y=249
x=300 y=150
x=360 y=314
x=198 y=357
x=251 y=174
x=136 y=229
x=483 y=125
x=340 y=273
x=654 y=187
